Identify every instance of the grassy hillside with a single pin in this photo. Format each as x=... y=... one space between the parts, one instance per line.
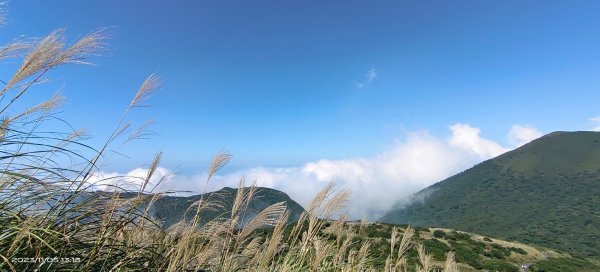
x=172 y=209
x=546 y=192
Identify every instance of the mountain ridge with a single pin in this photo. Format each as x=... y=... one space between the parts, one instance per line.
x=171 y=209
x=545 y=192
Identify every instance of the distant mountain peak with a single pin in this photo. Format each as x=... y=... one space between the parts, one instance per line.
x=171 y=209
x=545 y=192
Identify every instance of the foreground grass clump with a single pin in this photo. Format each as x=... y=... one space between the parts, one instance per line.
x=53 y=219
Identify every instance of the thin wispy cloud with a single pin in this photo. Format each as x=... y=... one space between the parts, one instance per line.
x=370 y=75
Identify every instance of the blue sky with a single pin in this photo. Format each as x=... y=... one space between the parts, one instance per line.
x=283 y=83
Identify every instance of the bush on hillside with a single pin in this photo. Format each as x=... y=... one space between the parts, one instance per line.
x=439 y=234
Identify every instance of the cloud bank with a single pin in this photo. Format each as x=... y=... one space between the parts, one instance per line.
x=377 y=182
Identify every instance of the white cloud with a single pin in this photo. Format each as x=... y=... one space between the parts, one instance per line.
x=466 y=137
x=131 y=180
x=596 y=123
x=377 y=182
x=520 y=135
x=370 y=75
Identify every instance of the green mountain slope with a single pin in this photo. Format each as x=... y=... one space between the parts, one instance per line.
x=546 y=192
x=171 y=209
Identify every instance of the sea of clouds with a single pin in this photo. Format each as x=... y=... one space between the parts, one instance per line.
x=377 y=183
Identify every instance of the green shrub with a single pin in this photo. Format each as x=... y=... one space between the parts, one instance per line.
x=518 y=250
x=374 y=231
x=495 y=253
x=478 y=247
x=466 y=255
x=439 y=234
x=458 y=236
x=436 y=248
x=501 y=266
